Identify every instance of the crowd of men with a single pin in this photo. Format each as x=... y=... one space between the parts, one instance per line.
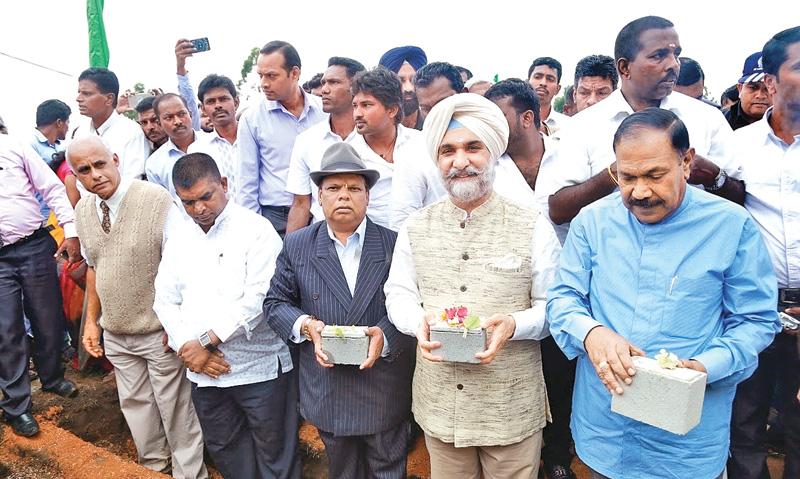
x=220 y=239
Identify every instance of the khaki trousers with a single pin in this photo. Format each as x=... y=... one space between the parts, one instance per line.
x=514 y=461
x=156 y=399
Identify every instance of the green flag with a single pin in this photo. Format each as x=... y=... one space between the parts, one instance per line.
x=98 y=45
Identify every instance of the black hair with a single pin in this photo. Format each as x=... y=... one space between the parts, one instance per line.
x=191 y=168
x=215 y=81
x=597 y=66
x=145 y=104
x=166 y=96
x=464 y=70
x=57 y=158
x=384 y=85
x=655 y=119
x=550 y=62
x=773 y=55
x=291 y=58
x=569 y=99
x=430 y=72
x=314 y=82
x=352 y=66
x=523 y=97
x=627 y=44
x=50 y=111
x=730 y=93
x=691 y=72
x=105 y=79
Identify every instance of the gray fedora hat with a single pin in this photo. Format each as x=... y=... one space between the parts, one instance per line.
x=342 y=158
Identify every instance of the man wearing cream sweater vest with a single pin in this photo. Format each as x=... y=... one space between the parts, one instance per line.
x=121 y=224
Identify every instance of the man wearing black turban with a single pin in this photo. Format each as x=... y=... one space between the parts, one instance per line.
x=405 y=61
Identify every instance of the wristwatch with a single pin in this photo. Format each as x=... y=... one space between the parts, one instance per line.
x=305 y=329
x=720 y=180
x=205 y=341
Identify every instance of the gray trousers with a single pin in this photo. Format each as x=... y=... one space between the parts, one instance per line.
x=277 y=215
x=155 y=398
x=251 y=430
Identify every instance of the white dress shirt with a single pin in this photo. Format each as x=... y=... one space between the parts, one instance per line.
x=217 y=281
x=160 y=163
x=586 y=145
x=125 y=138
x=771 y=171
x=307 y=153
x=555 y=122
x=403 y=299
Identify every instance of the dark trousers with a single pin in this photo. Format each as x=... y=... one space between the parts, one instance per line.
x=278 y=216
x=28 y=273
x=248 y=429
x=559 y=377
x=778 y=371
x=379 y=456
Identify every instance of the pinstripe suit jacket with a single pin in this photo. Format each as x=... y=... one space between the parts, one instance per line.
x=309 y=279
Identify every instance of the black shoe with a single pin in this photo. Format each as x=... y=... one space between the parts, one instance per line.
x=24 y=424
x=65 y=388
x=557 y=471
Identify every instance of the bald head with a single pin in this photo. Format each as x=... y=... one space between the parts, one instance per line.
x=94 y=165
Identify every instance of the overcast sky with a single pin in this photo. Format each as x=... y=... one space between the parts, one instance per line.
x=488 y=37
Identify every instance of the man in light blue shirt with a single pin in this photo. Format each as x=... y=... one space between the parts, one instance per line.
x=659 y=265
x=267 y=132
x=52 y=125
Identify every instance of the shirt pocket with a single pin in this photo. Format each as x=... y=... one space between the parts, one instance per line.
x=692 y=307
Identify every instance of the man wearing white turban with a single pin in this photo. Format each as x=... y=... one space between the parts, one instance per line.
x=475 y=249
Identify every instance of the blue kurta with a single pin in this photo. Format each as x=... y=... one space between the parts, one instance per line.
x=699 y=284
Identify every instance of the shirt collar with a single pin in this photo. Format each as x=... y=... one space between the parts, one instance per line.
x=102 y=129
x=221 y=219
x=43 y=139
x=173 y=147
x=764 y=121
x=307 y=105
x=358 y=234
x=116 y=199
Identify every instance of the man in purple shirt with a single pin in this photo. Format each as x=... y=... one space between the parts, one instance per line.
x=28 y=273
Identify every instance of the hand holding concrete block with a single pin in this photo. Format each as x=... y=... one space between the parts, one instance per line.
x=345 y=344
x=669 y=399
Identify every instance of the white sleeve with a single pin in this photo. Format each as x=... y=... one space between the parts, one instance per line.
x=545 y=250
x=298 y=181
x=403 y=301
x=247 y=310
x=136 y=150
x=169 y=295
x=721 y=152
x=409 y=188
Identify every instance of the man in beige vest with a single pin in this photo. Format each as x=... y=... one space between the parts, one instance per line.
x=497 y=258
x=121 y=226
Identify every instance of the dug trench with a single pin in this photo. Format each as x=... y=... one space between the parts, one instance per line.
x=87 y=436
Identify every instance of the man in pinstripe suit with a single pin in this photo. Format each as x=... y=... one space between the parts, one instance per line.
x=333 y=272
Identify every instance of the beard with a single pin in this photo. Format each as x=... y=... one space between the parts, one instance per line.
x=480 y=183
x=410 y=105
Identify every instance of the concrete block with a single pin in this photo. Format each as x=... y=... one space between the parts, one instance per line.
x=669 y=399
x=345 y=344
x=456 y=348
